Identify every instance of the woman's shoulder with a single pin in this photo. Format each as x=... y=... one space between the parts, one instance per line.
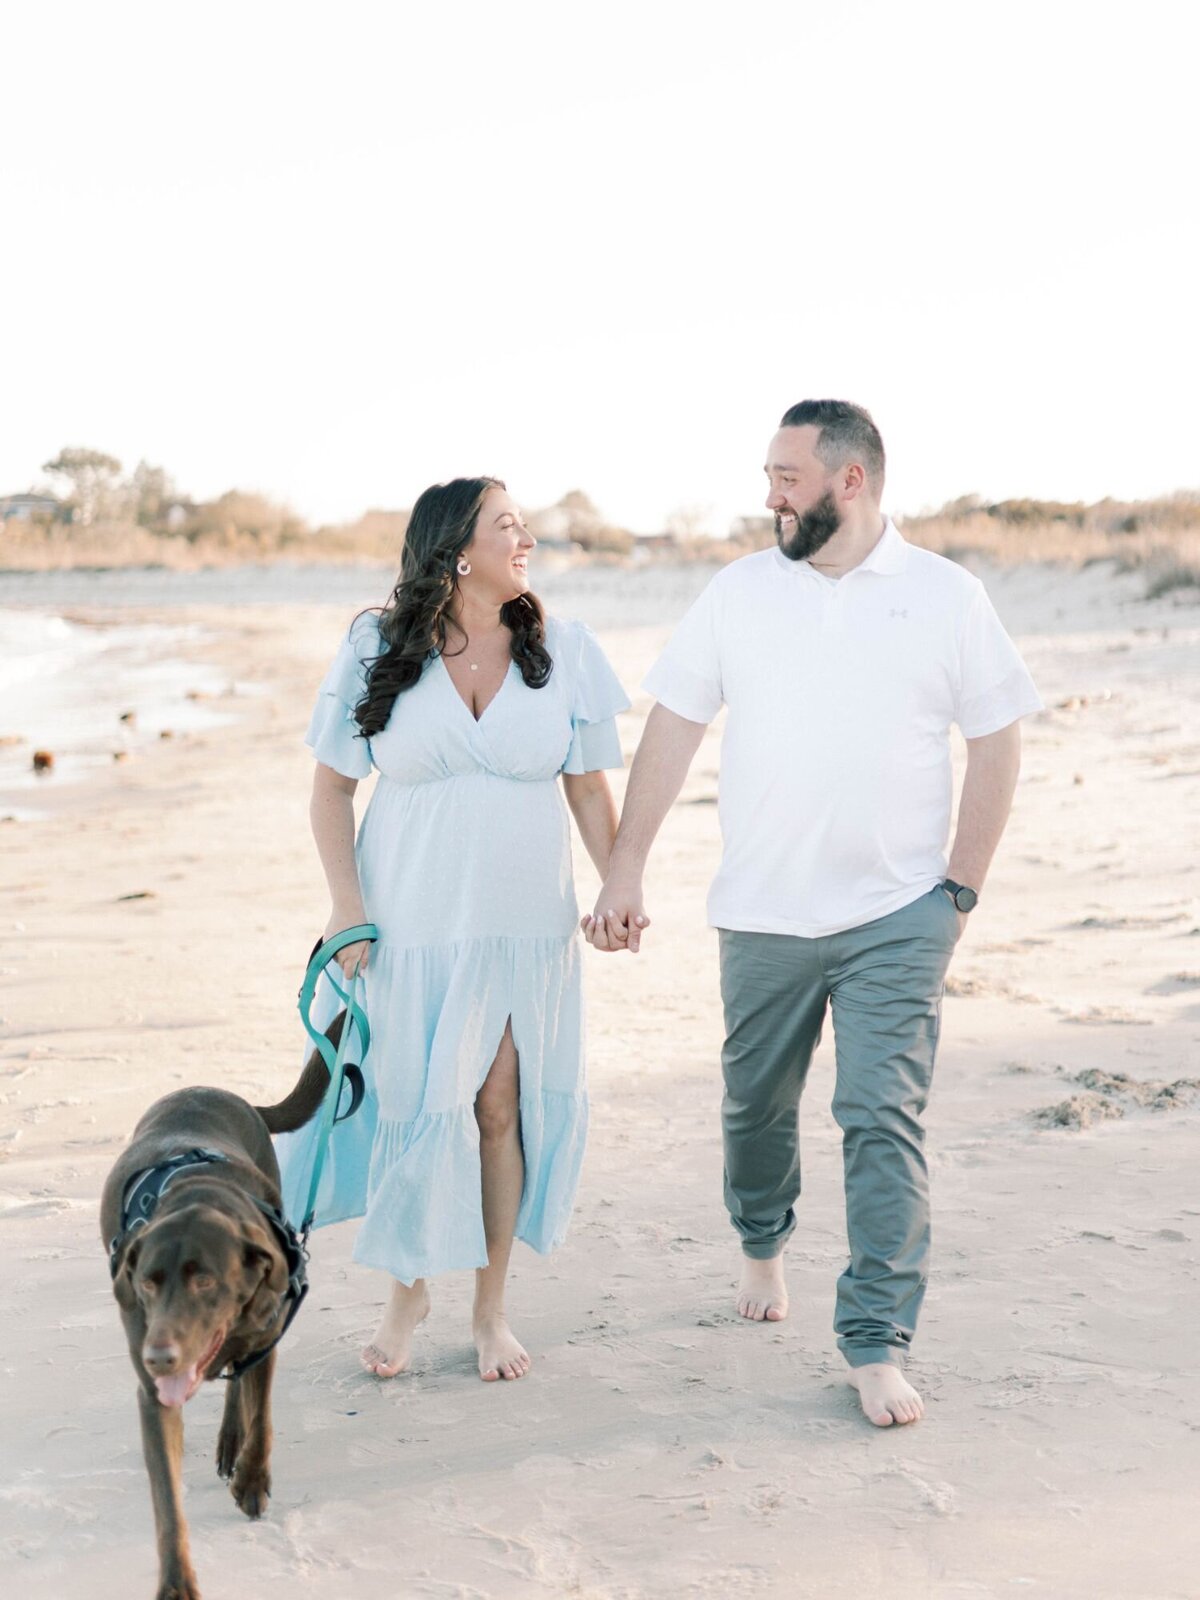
x=566 y=635
x=363 y=635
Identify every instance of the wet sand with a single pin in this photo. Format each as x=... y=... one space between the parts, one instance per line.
x=155 y=923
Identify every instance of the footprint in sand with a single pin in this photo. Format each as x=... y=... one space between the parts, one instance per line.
x=1108 y=1016
x=1176 y=983
x=1099 y=1102
x=1079 y=1112
x=1115 y=922
x=967 y=988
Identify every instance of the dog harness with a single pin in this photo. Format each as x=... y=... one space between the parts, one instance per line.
x=140 y=1201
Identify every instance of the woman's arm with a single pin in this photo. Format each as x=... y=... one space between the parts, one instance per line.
x=595 y=813
x=331 y=814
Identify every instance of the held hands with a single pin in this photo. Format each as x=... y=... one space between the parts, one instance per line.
x=619 y=919
x=351 y=958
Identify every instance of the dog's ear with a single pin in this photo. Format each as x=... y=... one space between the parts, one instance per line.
x=264 y=1264
x=123 y=1282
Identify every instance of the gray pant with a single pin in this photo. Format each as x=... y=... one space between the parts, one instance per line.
x=884 y=982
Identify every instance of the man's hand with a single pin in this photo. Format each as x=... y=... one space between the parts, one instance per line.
x=619 y=919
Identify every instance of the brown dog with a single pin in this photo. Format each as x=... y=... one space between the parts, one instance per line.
x=208 y=1275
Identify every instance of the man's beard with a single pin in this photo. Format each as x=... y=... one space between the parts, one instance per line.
x=812 y=532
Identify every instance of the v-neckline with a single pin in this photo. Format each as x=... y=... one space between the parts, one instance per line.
x=454 y=690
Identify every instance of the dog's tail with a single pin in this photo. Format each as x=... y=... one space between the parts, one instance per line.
x=297 y=1108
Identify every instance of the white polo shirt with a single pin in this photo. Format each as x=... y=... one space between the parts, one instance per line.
x=835 y=785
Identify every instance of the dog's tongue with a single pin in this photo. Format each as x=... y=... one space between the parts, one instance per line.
x=179 y=1387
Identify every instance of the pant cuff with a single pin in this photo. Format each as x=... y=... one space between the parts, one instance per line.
x=764 y=1249
x=863 y=1355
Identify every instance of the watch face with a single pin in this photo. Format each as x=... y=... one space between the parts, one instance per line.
x=965 y=899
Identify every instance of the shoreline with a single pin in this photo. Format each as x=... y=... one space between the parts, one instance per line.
x=78 y=693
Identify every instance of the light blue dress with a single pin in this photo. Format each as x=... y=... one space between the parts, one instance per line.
x=464 y=857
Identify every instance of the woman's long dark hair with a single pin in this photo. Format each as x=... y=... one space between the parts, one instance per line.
x=413 y=624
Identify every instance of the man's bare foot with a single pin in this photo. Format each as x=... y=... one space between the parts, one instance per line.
x=390 y=1351
x=886 y=1394
x=501 y=1355
x=762 y=1293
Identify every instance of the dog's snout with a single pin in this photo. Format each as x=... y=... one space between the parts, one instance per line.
x=161 y=1360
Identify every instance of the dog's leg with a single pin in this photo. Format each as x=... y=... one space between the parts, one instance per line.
x=251 y=1486
x=162 y=1446
x=229 y=1440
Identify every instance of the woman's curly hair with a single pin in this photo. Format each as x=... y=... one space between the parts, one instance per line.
x=414 y=623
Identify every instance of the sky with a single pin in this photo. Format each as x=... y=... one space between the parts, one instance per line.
x=334 y=254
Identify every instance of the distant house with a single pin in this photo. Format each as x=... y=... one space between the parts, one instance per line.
x=32 y=507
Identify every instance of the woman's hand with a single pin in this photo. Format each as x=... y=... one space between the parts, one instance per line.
x=354 y=957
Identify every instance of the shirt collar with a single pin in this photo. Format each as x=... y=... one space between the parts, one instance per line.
x=889 y=556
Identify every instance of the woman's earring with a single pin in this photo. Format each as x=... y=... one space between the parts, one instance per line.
x=463 y=567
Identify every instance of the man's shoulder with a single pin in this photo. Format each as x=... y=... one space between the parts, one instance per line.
x=932 y=571
x=760 y=569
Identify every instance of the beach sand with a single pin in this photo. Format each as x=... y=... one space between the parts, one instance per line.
x=155 y=924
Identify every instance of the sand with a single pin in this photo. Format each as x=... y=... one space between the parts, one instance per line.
x=155 y=924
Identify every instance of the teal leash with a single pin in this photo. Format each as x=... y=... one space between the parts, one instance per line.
x=335 y=1061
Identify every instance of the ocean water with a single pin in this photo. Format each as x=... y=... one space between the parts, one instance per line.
x=65 y=683
x=604 y=597
x=64 y=686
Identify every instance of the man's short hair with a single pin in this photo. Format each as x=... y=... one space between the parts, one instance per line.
x=847 y=433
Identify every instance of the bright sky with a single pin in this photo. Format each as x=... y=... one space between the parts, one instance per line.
x=336 y=253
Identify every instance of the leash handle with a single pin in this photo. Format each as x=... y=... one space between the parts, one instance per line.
x=323 y=953
x=356 y=1017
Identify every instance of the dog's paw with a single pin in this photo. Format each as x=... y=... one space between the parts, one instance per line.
x=251 y=1489
x=229 y=1443
x=181 y=1585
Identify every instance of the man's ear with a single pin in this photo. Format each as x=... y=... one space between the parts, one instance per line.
x=123 y=1282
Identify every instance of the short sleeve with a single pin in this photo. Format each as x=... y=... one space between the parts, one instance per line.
x=686 y=678
x=333 y=736
x=596 y=698
x=995 y=688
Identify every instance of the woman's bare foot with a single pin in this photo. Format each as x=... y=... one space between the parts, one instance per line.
x=501 y=1355
x=762 y=1293
x=390 y=1351
x=886 y=1394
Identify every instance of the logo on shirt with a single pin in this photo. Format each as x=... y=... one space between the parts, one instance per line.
x=894 y=613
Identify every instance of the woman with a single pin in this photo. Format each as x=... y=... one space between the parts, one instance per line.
x=471 y=704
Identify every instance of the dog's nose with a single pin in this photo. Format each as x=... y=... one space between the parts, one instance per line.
x=160 y=1360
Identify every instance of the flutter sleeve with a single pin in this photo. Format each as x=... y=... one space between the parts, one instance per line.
x=596 y=699
x=333 y=736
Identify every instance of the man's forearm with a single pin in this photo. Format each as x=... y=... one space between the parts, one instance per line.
x=661 y=764
x=993 y=763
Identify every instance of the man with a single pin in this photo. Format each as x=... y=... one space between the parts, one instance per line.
x=844 y=655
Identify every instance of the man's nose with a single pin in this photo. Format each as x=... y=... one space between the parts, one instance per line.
x=775 y=501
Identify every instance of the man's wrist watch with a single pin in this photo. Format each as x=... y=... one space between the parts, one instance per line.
x=964 y=899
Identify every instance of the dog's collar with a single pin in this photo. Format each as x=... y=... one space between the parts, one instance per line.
x=140 y=1201
x=145 y=1189
x=296 y=1256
